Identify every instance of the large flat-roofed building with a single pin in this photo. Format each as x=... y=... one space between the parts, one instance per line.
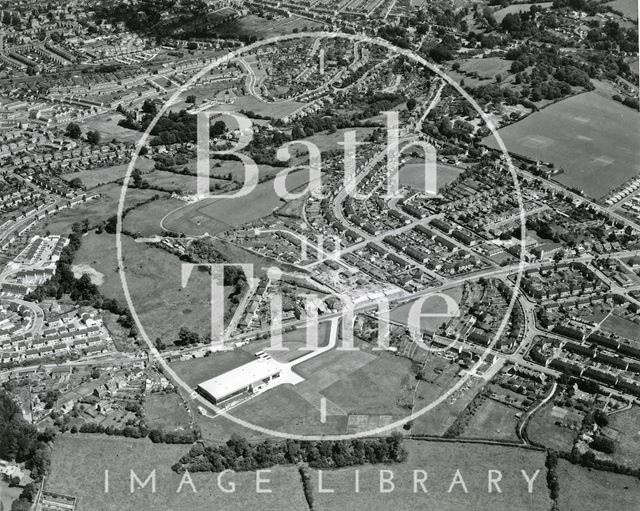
x=243 y=379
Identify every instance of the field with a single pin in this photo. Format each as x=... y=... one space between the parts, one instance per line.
x=486 y=67
x=145 y=220
x=99 y=210
x=501 y=13
x=434 y=305
x=440 y=460
x=584 y=489
x=178 y=183
x=622 y=327
x=216 y=215
x=627 y=7
x=79 y=462
x=152 y=296
x=330 y=141
x=95 y=177
x=166 y=411
x=592 y=138
x=412 y=175
x=264 y=28
x=543 y=430
x=276 y=109
x=107 y=126
x=627 y=424
x=8 y=495
x=493 y=420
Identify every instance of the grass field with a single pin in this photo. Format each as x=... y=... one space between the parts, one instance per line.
x=591 y=137
x=166 y=411
x=441 y=460
x=493 y=420
x=543 y=430
x=95 y=177
x=153 y=277
x=145 y=219
x=197 y=370
x=627 y=424
x=264 y=28
x=107 y=126
x=216 y=215
x=277 y=109
x=79 y=462
x=627 y=7
x=412 y=174
x=622 y=327
x=99 y=210
x=486 y=68
x=583 y=489
x=501 y=13
x=434 y=305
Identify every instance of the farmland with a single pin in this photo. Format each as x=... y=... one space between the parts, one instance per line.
x=592 y=138
x=543 y=430
x=441 y=460
x=79 y=463
x=583 y=489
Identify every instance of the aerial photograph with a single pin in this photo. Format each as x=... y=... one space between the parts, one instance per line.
x=319 y=255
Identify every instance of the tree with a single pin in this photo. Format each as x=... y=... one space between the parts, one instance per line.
x=411 y=104
x=73 y=130
x=191 y=98
x=218 y=128
x=93 y=137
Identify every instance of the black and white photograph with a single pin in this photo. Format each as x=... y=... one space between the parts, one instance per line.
x=319 y=255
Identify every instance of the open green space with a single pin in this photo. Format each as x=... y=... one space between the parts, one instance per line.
x=627 y=424
x=94 y=177
x=166 y=411
x=440 y=460
x=79 y=463
x=493 y=420
x=591 y=137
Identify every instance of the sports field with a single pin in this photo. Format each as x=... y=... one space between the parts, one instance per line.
x=594 y=139
x=440 y=460
x=79 y=463
x=216 y=215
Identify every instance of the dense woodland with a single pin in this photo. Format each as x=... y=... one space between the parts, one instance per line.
x=240 y=455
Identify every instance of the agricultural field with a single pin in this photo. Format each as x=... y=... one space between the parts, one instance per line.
x=542 y=429
x=78 y=465
x=440 y=460
x=103 y=175
x=583 y=489
x=152 y=296
x=627 y=424
x=99 y=210
x=493 y=420
x=591 y=137
x=216 y=215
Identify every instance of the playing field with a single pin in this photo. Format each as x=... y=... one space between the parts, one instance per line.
x=440 y=460
x=594 y=139
x=216 y=215
x=79 y=463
